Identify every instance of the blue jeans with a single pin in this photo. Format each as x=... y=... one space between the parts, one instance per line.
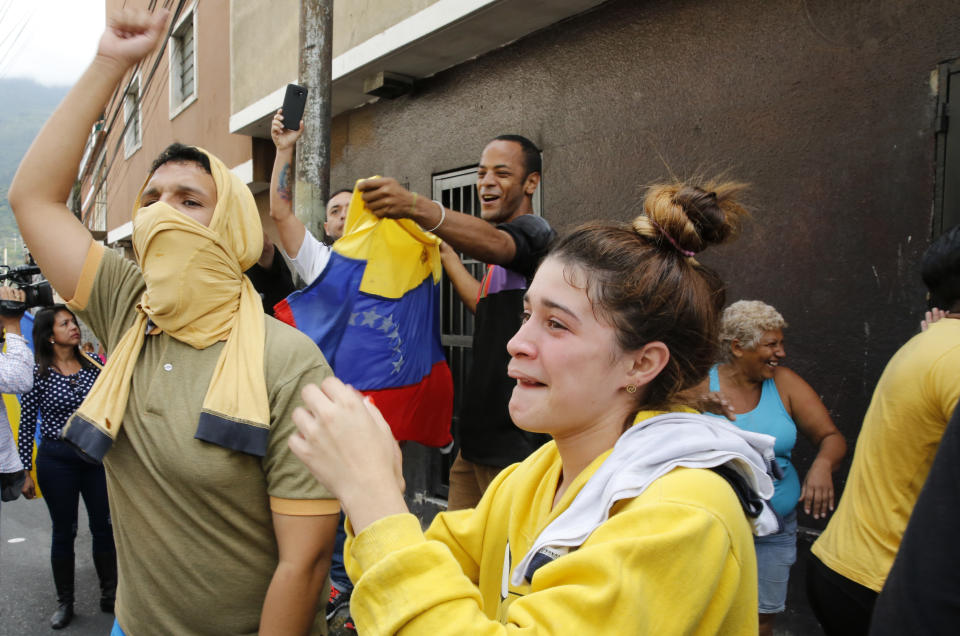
x=64 y=477
x=338 y=573
x=775 y=554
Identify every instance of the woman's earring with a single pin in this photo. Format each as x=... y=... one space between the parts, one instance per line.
x=52 y=341
x=631 y=388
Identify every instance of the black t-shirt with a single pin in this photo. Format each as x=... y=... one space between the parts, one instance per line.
x=272 y=284
x=486 y=433
x=922 y=592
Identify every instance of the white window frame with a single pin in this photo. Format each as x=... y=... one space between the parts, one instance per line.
x=130 y=143
x=99 y=183
x=188 y=20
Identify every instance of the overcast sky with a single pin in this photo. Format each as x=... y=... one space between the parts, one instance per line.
x=50 y=41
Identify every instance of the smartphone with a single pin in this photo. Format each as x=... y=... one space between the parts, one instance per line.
x=293 y=104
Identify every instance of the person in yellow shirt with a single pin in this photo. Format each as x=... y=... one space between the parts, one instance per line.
x=616 y=526
x=909 y=410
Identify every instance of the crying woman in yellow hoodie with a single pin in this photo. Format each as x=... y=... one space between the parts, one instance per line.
x=636 y=519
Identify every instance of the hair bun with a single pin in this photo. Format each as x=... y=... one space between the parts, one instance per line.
x=687 y=217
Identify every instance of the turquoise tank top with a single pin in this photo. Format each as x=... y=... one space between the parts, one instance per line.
x=770 y=416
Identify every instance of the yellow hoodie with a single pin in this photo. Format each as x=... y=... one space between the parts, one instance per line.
x=678 y=559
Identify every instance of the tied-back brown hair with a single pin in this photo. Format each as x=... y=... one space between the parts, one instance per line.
x=642 y=280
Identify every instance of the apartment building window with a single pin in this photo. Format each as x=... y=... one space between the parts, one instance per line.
x=131 y=116
x=99 y=221
x=183 y=63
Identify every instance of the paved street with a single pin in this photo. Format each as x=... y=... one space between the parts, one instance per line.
x=27 y=597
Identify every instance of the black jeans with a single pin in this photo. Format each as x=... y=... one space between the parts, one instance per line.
x=843 y=607
x=63 y=477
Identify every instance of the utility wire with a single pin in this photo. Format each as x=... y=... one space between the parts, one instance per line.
x=5 y=9
x=10 y=55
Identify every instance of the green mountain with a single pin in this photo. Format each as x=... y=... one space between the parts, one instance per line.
x=24 y=107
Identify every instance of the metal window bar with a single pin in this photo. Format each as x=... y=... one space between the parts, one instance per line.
x=131 y=112
x=100 y=200
x=456 y=190
x=185 y=46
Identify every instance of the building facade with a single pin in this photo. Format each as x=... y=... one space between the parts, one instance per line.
x=837 y=114
x=180 y=93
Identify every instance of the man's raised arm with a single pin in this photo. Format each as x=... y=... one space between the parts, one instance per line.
x=41 y=187
x=475 y=237
x=290 y=229
x=468 y=287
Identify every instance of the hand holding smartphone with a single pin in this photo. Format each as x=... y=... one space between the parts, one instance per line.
x=293 y=104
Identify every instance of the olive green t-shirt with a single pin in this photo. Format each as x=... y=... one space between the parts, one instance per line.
x=195 y=542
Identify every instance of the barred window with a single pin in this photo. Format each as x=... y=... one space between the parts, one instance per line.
x=457 y=190
x=131 y=117
x=99 y=222
x=183 y=63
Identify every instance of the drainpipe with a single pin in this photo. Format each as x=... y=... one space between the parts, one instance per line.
x=313 y=149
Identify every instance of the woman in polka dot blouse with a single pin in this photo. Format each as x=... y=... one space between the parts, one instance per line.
x=62 y=378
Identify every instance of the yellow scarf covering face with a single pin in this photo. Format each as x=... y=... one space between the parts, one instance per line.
x=196 y=292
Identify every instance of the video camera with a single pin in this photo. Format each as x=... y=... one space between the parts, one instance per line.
x=25 y=277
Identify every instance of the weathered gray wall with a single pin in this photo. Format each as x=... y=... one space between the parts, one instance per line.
x=825 y=107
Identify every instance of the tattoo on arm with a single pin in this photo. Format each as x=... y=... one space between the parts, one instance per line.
x=284 y=189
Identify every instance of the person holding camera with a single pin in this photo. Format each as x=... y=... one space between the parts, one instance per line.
x=16 y=376
x=62 y=378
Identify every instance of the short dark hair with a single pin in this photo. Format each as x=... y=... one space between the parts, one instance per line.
x=531 y=154
x=181 y=152
x=940 y=269
x=341 y=191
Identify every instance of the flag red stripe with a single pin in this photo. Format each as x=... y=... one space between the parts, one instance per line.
x=283 y=313
x=420 y=412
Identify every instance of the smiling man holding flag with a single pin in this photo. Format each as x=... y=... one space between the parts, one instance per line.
x=512 y=240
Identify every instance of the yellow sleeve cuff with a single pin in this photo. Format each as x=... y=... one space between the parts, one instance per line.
x=304 y=507
x=383 y=537
x=88 y=275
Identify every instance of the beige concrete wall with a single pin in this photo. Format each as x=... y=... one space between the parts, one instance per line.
x=264 y=39
x=356 y=21
x=264 y=45
x=205 y=122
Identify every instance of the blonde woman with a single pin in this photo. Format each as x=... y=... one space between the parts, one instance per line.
x=770 y=398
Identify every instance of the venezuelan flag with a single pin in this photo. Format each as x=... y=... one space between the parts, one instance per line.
x=374 y=312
